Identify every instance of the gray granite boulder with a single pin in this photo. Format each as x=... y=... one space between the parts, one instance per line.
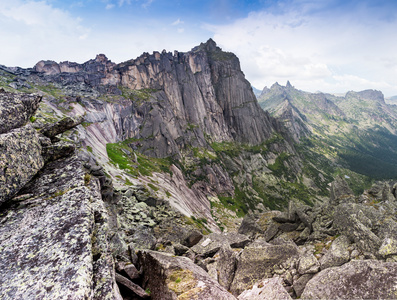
x=210 y=244
x=268 y=289
x=169 y=277
x=259 y=261
x=53 y=238
x=338 y=253
x=16 y=109
x=358 y=279
x=20 y=160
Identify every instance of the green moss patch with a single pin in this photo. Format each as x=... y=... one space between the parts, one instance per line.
x=180 y=281
x=137 y=96
x=135 y=163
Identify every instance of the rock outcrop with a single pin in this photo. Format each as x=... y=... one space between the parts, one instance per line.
x=367 y=279
x=268 y=289
x=16 y=110
x=54 y=225
x=170 y=277
x=51 y=238
x=204 y=87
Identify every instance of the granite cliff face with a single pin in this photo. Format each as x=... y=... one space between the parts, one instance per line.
x=192 y=116
x=204 y=88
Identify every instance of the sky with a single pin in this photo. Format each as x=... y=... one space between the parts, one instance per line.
x=331 y=46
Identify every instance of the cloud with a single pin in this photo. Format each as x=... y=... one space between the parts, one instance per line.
x=315 y=44
x=109 y=6
x=122 y=2
x=147 y=3
x=177 y=22
x=36 y=29
x=181 y=30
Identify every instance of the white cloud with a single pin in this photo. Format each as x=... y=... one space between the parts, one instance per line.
x=177 y=22
x=36 y=29
x=181 y=30
x=109 y=6
x=147 y=3
x=314 y=51
x=122 y=2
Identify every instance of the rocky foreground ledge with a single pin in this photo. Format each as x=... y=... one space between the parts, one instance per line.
x=65 y=233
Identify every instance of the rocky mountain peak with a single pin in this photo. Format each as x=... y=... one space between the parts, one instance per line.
x=264 y=91
x=48 y=67
x=209 y=46
x=276 y=87
x=101 y=58
x=372 y=95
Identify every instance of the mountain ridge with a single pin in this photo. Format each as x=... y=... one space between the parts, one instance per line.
x=349 y=123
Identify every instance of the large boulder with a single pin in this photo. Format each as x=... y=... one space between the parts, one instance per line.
x=53 y=238
x=268 y=289
x=340 y=192
x=53 y=129
x=210 y=244
x=353 y=223
x=358 y=279
x=308 y=264
x=16 y=109
x=337 y=254
x=20 y=160
x=263 y=223
x=261 y=260
x=222 y=266
x=169 y=277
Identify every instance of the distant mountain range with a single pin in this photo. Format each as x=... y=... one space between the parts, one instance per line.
x=357 y=130
x=391 y=100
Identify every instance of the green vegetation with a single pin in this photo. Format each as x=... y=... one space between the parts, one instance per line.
x=279 y=168
x=137 y=96
x=181 y=281
x=221 y=55
x=233 y=149
x=372 y=153
x=85 y=124
x=53 y=91
x=204 y=155
x=5 y=79
x=191 y=126
x=143 y=165
x=153 y=187
x=32 y=119
x=128 y=182
x=199 y=223
x=239 y=203
x=89 y=149
x=87 y=178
